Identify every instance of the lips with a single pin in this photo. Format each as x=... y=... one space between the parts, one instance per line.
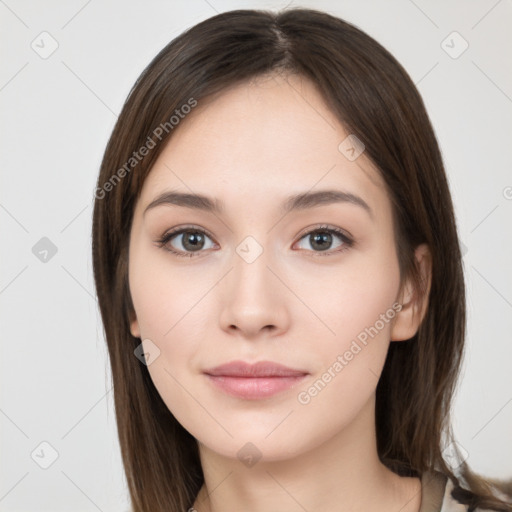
x=254 y=381
x=259 y=369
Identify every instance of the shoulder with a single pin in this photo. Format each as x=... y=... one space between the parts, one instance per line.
x=448 y=502
x=451 y=504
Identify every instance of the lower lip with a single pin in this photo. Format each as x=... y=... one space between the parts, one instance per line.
x=253 y=388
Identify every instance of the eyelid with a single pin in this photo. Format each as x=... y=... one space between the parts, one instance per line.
x=326 y=227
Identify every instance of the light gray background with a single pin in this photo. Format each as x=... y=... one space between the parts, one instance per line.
x=57 y=114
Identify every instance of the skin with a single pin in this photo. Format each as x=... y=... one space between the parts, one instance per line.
x=251 y=147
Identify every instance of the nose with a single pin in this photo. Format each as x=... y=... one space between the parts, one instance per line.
x=254 y=300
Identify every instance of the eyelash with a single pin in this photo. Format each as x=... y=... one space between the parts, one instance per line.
x=168 y=236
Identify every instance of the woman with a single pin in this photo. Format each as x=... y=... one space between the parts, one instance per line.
x=279 y=276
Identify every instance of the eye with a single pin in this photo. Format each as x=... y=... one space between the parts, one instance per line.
x=322 y=238
x=189 y=240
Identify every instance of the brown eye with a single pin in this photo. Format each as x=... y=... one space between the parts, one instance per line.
x=185 y=242
x=192 y=240
x=322 y=240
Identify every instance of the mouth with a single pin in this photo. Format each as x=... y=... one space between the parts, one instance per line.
x=254 y=381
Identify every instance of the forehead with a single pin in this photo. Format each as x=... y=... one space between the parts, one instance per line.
x=266 y=138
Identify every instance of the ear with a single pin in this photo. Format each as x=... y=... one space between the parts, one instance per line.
x=134 y=326
x=414 y=303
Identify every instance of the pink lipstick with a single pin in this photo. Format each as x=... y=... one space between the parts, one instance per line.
x=254 y=381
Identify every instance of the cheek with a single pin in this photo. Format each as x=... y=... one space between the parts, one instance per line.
x=172 y=310
x=356 y=313
x=351 y=297
x=358 y=308
x=163 y=293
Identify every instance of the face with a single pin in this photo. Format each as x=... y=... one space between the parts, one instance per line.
x=313 y=287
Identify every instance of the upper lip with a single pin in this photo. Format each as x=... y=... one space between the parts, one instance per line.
x=259 y=369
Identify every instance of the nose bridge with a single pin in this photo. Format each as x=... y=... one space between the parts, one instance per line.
x=251 y=275
x=252 y=299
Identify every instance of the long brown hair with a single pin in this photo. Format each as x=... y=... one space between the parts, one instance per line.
x=374 y=98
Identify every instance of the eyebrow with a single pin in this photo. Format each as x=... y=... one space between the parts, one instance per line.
x=296 y=202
